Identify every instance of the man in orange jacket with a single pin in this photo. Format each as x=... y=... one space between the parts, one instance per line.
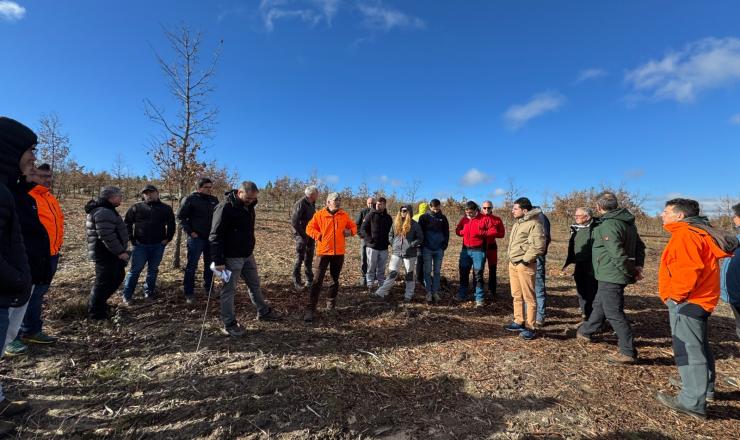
x=689 y=284
x=51 y=216
x=328 y=227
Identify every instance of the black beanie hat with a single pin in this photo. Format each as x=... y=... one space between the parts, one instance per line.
x=15 y=139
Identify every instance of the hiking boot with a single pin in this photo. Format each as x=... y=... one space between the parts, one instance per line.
x=673 y=403
x=16 y=348
x=270 y=315
x=39 y=338
x=126 y=302
x=9 y=408
x=580 y=337
x=376 y=297
x=514 y=327
x=234 y=329
x=480 y=304
x=539 y=323
x=189 y=299
x=733 y=381
x=6 y=428
x=620 y=358
x=297 y=285
x=150 y=295
x=309 y=316
x=435 y=297
x=527 y=334
x=331 y=304
x=430 y=299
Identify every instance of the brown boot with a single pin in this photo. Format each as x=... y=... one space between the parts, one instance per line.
x=620 y=358
x=8 y=408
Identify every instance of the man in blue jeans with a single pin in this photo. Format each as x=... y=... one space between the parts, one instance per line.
x=436 y=231
x=540 y=289
x=476 y=230
x=151 y=225
x=195 y=215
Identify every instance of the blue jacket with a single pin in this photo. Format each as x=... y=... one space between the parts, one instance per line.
x=730 y=278
x=436 y=231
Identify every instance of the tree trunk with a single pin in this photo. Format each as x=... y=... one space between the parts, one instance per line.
x=178 y=235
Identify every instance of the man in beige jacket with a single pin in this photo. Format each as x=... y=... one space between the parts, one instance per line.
x=526 y=243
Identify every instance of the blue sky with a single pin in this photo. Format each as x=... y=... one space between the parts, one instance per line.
x=461 y=96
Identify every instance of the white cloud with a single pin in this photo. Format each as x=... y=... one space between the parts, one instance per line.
x=331 y=179
x=383 y=179
x=634 y=173
x=380 y=17
x=702 y=65
x=735 y=119
x=309 y=11
x=587 y=74
x=498 y=192
x=518 y=115
x=475 y=177
x=11 y=11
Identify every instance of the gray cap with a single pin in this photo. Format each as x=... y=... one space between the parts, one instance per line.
x=109 y=191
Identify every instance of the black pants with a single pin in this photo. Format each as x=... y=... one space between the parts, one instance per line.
x=609 y=306
x=363 y=260
x=737 y=319
x=303 y=257
x=109 y=274
x=586 y=286
x=334 y=264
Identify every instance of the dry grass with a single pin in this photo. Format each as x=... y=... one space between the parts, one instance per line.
x=368 y=370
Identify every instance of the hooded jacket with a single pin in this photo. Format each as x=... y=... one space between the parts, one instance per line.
x=150 y=222
x=617 y=248
x=375 y=229
x=35 y=237
x=436 y=231
x=689 y=267
x=303 y=211
x=475 y=231
x=361 y=219
x=527 y=240
x=232 y=231
x=107 y=236
x=15 y=273
x=730 y=277
x=327 y=228
x=196 y=214
x=423 y=207
x=51 y=216
x=407 y=246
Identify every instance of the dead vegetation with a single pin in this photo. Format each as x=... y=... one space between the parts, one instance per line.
x=368 y=370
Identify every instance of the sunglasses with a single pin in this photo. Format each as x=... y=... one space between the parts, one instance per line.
x=488 y=208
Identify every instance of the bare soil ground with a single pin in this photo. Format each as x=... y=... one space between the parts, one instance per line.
x=368 y=370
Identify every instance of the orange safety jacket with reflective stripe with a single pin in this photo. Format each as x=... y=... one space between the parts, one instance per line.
x=51 y=216
x=328 y=231
x=689 y=267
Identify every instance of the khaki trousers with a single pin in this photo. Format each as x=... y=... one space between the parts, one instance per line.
x=521 y=278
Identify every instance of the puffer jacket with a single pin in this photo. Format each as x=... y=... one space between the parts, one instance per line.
x=407 y=246
x=327 y=228
x=232 y=232
x=35 y=237
x=15 y=273
x=617 y=248
x=527 y=240
x=689 y=267
x=475 y=231
x=436 y=231
x=51 y=216
x=107 y=236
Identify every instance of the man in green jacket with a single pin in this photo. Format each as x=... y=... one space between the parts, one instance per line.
x=618 y=255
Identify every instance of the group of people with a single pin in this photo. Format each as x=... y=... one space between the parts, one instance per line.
x=699 y=264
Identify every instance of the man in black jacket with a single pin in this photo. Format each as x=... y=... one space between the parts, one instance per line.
x=363 y=249
x=195 y=216
x=107 y=240
x=232 y=247
x=579 y=254
x=17 y=143
x=151 y=226
x=375 y=230
x=303 y=211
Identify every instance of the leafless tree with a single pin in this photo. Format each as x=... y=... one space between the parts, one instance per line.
x=412 y=189
x=176 y=154
x=53 y=146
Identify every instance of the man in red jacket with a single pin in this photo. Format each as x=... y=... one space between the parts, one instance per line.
x=492 y=247
x=476 y=230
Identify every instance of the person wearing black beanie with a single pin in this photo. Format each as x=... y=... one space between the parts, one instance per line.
x=17 y=143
